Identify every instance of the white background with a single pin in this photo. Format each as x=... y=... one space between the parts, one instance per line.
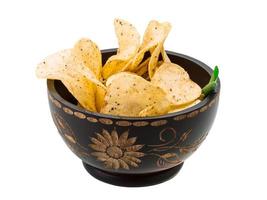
x=231 y=163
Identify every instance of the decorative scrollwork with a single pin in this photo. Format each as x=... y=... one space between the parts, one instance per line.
x=173 y=143
x=118 y=151
x=68 y=135
x=166 y=131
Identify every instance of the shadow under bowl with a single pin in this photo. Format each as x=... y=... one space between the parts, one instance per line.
x=134 y=151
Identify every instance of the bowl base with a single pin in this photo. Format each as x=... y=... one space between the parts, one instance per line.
x=136 y=180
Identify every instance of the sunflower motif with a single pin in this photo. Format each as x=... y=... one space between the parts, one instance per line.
x=116 y=151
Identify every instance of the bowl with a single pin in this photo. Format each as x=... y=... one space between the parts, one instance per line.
x=134 y=151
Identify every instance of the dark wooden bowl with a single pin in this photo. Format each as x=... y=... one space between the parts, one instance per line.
x=134 y=151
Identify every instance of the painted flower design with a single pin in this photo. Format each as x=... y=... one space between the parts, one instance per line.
x=116 y=151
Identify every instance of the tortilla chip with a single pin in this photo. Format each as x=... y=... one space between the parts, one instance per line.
x=79 y=79
x=100 y=98
x=142 y=68
x=152 y=65
x=83 y=90
x=164 y=55
x=185 y=106
x=175 y=81
x=155 y=35
x=129 y=94
x=129 y=42
x=88 y=52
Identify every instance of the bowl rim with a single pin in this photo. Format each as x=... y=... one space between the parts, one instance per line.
x=52 y=91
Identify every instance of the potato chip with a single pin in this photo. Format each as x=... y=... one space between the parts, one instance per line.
x=152 y=65
x=155 y=35
x=100 y=97
x=143 y=64
x=129 y=42
x=142 y=68
x=159 y=108
x=175 y=81
x=165 y=56
x=83 y=90
x=134 y=86
x=142 y=71
x=88 y=52
x=128 y=94
x=79 y=79
x=62 y=63
x=54 y=65
x=160 y=63
x=185 y=106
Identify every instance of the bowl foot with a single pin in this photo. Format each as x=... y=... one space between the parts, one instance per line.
x=129 y=180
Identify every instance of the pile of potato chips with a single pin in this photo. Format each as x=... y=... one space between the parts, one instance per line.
x=128 y=84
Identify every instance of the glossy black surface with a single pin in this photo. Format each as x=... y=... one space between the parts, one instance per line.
x=152 y=145
x=133 y=180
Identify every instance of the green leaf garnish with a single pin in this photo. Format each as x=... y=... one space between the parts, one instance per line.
x=215 y=74
x=207 y=89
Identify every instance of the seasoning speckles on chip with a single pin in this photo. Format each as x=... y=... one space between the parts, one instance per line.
x=139 y=81
x=55 y=68
x=130 y=85
x=129 y=42
x=175 y=81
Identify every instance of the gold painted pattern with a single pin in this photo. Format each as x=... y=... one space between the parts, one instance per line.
x=140 y=123
x=136 y=123
x=64 y=128
x=105 y=121
x=116 y=151
x=67 y=110
x=50 y=97
x=66 y=132
x=119 y=151
x=123 y=123
x=203 y=109
x=192 y=114
x=159 y=123
x=57 y=104
x=177 y=144
x=80 y=115
x=92 y=119
x=212 y=102
x=179 y=117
